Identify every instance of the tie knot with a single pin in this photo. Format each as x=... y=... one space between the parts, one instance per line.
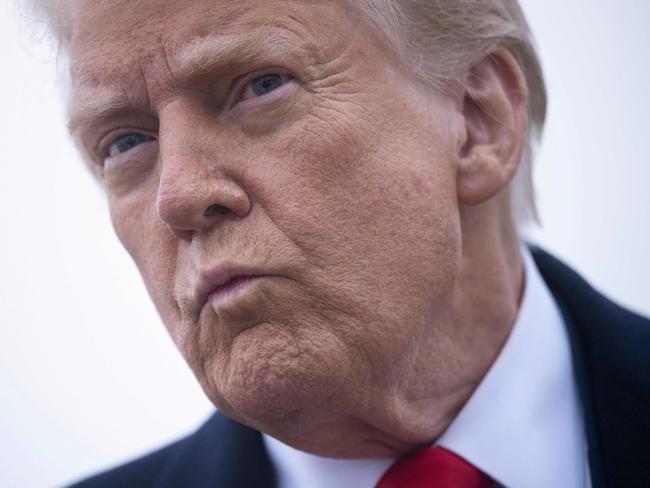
x=434 y=467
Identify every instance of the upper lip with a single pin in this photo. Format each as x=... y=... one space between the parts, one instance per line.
x=211 y=279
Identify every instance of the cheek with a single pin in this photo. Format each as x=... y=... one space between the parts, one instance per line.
x=360 y=172
x=362 y=187
x=151 y=245
x=373 y=206
x=128 y=218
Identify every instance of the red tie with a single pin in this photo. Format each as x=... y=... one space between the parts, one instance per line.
x=434 y=467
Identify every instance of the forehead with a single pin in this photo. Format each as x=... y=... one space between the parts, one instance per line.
x=118 y=42
x=96 y=21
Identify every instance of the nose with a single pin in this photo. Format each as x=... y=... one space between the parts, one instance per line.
x=186 y=204
x=195 y=190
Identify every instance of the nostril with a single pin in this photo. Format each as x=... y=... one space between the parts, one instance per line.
x=215 y=209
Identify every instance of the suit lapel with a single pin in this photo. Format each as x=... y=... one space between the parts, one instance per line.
x=611 y=354
x=221 y=454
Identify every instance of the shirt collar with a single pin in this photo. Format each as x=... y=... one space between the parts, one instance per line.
x=523 y=424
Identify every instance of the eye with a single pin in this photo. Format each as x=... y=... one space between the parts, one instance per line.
x=264 y=84
x=126 y=142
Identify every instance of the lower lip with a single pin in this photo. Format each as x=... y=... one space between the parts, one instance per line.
x=233 y=290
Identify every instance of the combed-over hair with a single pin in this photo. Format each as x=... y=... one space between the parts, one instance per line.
x=437 y=39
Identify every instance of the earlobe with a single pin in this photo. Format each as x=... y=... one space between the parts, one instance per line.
x=495 y=121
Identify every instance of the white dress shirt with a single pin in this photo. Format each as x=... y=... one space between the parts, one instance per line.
x=522 y=426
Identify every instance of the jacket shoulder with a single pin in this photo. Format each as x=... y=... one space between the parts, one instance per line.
x=616 y=340
x=611 y=351
x=221 y=453
x=138 y=473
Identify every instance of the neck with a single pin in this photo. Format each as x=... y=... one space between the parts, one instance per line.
x=468 y=340
x=466 y=343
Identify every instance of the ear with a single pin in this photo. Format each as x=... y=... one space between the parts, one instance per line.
x=494 y=109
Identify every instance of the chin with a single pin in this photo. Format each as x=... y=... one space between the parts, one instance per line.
x=278 y=380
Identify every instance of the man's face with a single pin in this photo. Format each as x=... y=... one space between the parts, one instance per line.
x=275 y=139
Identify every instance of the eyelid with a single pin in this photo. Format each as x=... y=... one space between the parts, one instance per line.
x=241 y=83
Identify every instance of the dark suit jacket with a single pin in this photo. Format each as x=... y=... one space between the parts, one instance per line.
x=611 y=354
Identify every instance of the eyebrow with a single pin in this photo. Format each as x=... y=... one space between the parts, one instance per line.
x=96 y=104
x=202 y=55
x=206 y=53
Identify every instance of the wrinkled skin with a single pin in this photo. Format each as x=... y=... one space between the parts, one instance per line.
x=344 y=186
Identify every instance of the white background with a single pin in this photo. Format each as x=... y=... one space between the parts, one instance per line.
x=88 y=376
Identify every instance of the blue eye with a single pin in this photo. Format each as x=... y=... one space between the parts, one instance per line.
x=264 y=84
x=127 y=142
x=267 y=83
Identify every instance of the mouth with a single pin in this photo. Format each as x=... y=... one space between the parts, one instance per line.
x=233 y=288
x=223 y=283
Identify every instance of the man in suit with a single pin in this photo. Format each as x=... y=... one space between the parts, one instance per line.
x=322 y=199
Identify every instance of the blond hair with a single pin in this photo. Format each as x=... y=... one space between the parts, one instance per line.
x=437 y=39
